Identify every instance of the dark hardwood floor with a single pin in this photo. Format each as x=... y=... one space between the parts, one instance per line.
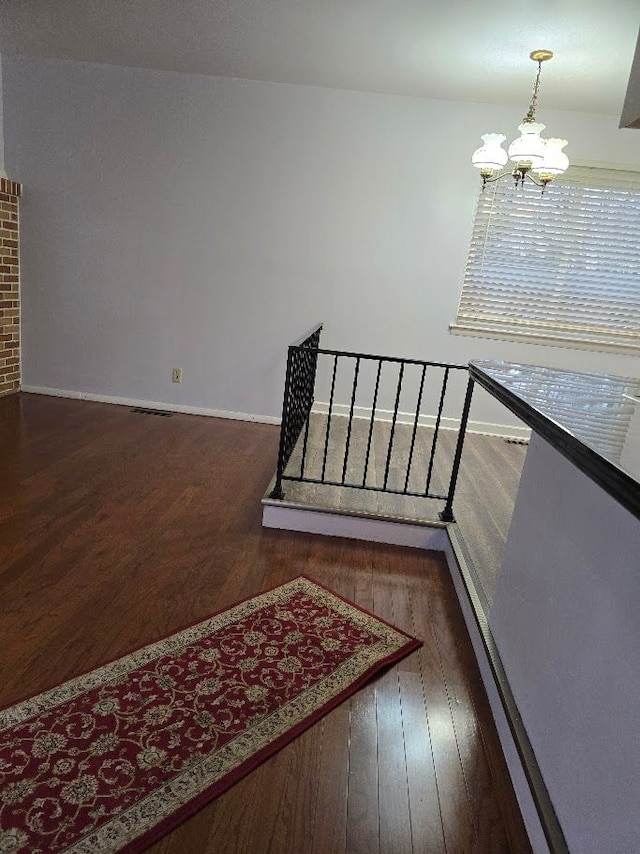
x=118 y=528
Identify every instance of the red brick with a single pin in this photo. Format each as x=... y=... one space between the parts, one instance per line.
x=10 y=187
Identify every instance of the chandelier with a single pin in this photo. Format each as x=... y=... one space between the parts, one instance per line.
x=529 y=153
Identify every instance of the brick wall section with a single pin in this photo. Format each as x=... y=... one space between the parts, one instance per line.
x=9 y=288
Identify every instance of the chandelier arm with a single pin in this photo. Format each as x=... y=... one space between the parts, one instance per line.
x=516 y=173
x=519 y=177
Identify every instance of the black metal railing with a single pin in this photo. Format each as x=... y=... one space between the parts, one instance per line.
x=300 y=377
x=394 y=392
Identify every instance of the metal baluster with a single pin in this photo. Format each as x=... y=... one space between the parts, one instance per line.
x=326 y=438
x=393 y=425
x=373 y=415
x=305 y=442
x=353 y=400
x=447 y=513
x=277 y=490
x=436 y=429
x=415 y=427
x=309 y=374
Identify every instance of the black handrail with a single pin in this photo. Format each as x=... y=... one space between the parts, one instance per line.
x=300 y=381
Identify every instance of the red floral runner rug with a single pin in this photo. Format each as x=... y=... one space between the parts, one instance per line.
x=114 y=759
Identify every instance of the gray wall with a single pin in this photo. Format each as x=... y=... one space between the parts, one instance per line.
x=172 y=219
x=565 y=622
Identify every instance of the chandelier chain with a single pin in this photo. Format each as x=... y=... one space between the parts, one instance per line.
x=531 y=115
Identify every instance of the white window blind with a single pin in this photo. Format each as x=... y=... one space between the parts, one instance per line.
x=563 y=267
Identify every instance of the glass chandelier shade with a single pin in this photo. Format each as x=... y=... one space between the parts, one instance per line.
x=529 y=152
x=491 y=155
x=529 y=146
x=555 y=160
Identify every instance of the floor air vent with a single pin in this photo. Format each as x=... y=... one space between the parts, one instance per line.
x=140 y=411
x=516 y=441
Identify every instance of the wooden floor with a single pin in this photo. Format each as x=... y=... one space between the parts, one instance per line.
x=117 y=528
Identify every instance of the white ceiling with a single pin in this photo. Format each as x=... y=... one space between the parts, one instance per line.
x=471 y=50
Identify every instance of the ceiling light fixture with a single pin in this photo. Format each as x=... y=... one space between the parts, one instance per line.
x=529 y=152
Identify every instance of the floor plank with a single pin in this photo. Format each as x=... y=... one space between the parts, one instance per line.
x=330 y=809
x=363 y=806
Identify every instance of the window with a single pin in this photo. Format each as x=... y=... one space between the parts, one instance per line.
x=561 y=267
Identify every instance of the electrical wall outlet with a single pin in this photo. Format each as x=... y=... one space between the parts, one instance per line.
x=176 y=375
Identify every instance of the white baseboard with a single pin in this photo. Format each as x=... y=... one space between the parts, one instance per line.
x=339 y=410
x=353 y=527
x=150 y=404
x=506 y=431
